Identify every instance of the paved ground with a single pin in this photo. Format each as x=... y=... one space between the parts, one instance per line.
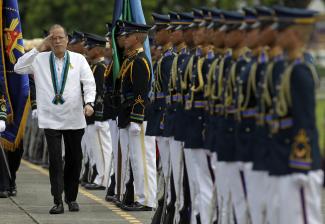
x=33 y=202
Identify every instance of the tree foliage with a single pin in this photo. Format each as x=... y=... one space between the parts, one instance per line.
x=91 y=15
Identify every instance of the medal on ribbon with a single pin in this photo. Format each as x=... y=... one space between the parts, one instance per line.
x=59 y=86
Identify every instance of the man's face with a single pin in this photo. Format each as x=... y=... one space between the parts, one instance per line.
x=210 y=35
x=199 y=36
x=267 y=36
x=219 y=38
x=234 y=37
x=251 y=40
x=177 y=37
x=108 y=52
x=162 y=37
x=188 y=36
x=120 y=41
x=91 y=53
x=59 y=40
x=286 y=39
x=130 y=40
x=77 y=47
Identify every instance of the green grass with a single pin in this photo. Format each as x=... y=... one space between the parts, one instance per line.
x=320 y=120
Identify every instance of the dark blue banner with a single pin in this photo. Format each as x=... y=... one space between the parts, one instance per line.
x=16 y=87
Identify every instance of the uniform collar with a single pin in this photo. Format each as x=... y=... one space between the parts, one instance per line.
x=181 y=48
x=198 y=51
x=167 y=47
x=97 y=60
x=135 y=52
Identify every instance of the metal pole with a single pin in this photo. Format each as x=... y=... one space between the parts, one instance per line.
x=6 y=161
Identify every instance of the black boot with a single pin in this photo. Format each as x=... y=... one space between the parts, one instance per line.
x=13 y=191
x=169 y=219
x=128 y=198
x=185 y=212
x=110 y=195
x=157 y=216
x=57 y=209
x=198 y=219
x=4 y=194
x=94 y=174
x=84 y=178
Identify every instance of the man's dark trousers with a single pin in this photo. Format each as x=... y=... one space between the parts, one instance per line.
x=66 y=178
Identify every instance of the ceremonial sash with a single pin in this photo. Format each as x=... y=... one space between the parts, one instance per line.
x=59 y=89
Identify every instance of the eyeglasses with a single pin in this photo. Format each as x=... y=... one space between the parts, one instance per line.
x=59 y=38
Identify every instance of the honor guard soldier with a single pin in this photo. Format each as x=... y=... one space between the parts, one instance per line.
x=179 y=23
x=181 y=33
x=98 y=128
x=112 y=101
x=125 y=188
x=205 y=182
x=76 y=43
x=253 y=80
x=295 y=154
x=266 y=111
x=193 y=88
x=235 y=39
x=212 y=110
x=135 y=83
x=156 y=119
x=4 y=168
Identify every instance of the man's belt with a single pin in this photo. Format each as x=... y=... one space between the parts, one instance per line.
x=249 y=113
x=199 y=104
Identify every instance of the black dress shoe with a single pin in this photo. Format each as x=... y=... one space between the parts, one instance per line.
x=84 y=183
x=57 y=209
x=110 y=198
x=4 y=194
x=136 y=207
x=94 y=187
x=12 y=191
x=73 y=206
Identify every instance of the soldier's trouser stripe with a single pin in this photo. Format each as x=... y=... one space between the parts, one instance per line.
x=303 y=204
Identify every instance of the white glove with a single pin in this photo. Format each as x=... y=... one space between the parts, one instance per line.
x=34 y=114
x=2 y=126
x=98 y=124
x=135 y=128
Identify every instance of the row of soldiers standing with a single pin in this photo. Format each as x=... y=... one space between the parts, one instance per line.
x=233 y=113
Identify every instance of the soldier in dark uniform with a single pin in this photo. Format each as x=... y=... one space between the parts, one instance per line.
x=212 y=110
x=135 y=83
x=252 y=122
x=181 y=36
x=125 y=188
x=98 y=127
x=295 y=151
x=4 y=168
x=174 y=99
x=111 y=104
x=76 y=43
x=193 y=90
x=156 y=120
x=202 y=153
